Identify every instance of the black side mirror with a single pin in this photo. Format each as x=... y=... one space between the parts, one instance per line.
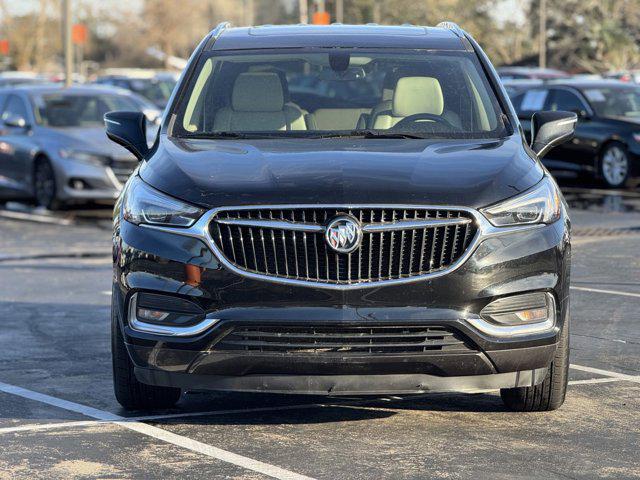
x=128 y=129
x=15 y=121
x=550 y=129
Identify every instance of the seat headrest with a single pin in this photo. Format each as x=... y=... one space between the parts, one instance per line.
x=257 y=92
x=417 y=95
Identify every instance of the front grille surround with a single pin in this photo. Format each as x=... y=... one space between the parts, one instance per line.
x=400 y=243
x=344 y=340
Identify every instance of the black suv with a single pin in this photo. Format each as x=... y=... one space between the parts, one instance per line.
x=606 y=145
x=294 y=241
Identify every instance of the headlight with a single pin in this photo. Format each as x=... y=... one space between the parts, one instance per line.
x=143 y=204
x=85 y=157
x=636 y=137
x=541 y=204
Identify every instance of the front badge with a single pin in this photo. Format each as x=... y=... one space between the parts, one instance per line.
x=343 y=234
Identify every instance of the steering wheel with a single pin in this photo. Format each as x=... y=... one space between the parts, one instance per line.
x=411 y=119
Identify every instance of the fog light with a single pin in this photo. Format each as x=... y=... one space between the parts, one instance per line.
x=524 y=314
x=519 y=309
x=178 y=318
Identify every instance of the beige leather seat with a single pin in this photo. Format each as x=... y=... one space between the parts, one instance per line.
x=413 y=95
x=336 y=118
x=257 y=104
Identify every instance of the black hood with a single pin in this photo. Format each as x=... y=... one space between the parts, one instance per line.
x=213 y=173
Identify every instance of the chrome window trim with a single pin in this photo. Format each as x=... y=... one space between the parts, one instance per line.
x=144 y=327
x=200 y=230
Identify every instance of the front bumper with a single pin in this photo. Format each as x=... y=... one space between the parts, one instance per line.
x=79 y=181
x=530 y=260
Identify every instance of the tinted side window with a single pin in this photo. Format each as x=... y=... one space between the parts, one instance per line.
x=565 y=100
x=528 y=102
x=14 y=107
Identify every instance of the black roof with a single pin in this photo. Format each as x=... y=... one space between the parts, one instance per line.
x=327 y=36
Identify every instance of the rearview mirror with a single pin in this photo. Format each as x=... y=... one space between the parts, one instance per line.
x=128 y=129
x=550 y=129
x=15 y=121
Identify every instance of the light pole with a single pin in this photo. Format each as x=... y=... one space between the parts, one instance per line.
x=542 y=55
x=304 y=11
x=68 y=47
x=339 y=11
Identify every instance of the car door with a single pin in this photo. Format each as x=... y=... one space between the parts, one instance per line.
x=576 y=154
x=15 y=146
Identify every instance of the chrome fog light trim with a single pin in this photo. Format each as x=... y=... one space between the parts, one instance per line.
x=494 y=329
x=171 y=331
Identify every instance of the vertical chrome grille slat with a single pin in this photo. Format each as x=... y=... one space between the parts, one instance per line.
x=280 y=249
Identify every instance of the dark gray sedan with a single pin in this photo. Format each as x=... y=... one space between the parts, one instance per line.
x=53 y=146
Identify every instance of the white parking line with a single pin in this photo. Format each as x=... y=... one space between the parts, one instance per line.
x=610 y=292
x=591 y=381
x=170 y=416
x=158 y=433
x=607 y=373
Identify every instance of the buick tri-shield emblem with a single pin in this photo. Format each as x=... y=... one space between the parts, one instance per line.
x=343 y=234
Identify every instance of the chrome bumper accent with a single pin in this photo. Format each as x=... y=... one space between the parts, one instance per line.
x=167 y=330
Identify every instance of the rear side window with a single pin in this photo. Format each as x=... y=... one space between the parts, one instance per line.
x=528 y=102
x=565 y=100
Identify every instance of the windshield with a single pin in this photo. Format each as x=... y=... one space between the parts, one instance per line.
x=78 y=110
x=614 y=101
x=345 y=92
x=158 y=91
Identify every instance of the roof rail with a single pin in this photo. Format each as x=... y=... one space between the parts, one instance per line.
x=454 y=27
x=215 y=33
x=221 y=27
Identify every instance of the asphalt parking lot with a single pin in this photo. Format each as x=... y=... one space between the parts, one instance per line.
x=59 y=418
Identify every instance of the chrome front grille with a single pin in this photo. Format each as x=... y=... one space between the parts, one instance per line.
x=326 y=340
x=289 y=243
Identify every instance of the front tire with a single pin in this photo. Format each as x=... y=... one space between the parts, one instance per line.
x=615 y=165
x=130 y=393
x=44 y=185
x=550 y=394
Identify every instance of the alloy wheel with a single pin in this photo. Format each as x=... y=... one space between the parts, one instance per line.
x=615 y=166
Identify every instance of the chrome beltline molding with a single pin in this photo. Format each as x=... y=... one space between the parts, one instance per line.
x=200 y=230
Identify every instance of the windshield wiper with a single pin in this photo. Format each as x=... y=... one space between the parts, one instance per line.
x=369 y=134
x=215 y=135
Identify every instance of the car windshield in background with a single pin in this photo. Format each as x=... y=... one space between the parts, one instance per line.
x=64 y=110
x=614 y=101
x=346 y=92
x=158 y=91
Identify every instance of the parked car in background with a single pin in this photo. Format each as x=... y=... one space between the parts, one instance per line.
x=9 y=79
x=632 y=76
x=523 y=73
x=155 y=87
x=53 y=146
x=606 y=144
